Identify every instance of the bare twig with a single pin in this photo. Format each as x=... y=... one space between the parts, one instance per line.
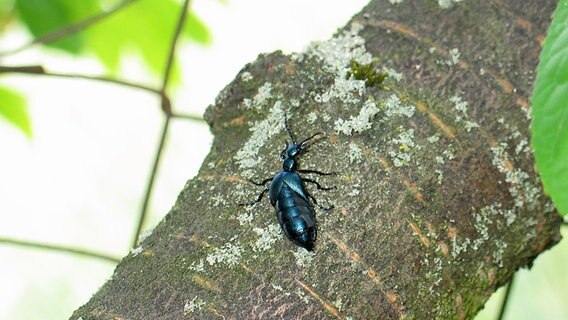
x=70 y=29
x=506 y=299
x=151 y=180
x=187 y=117
x=39 y=70
x=63 y=249
x=166 y=107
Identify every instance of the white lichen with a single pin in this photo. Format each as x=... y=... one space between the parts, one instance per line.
x=337 y=54
x=399 y=159
x=246 y=76
x=264 y=92
x=405 y=139
x=459 y=247
x=348 y=91
x=500 y=247
x=448 y=154
x=303 y=257
x=218 y=199
x=393 y=73
x=468 y=125
x=338 y=303
x=312 y=117
x=445 y=4
x=302 y=295
x=247 y=157
x=440 y=175
x=454 y=56
x=523 y=146
x=459 y=105
x=245 y=218
x=524 y=191
x=394 y=107
x=229 y=254
x=198 y=266
x=267 y=237
x=489 y=215
x=359 y=123
x=355 y=153
x=355 y=191
x=136 y=251
x=433 y=139
x=193 y=305
x=339 y=51
x=145 y=234
x=404 y=143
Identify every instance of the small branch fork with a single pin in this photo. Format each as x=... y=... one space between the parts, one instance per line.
x=166 y=108
x=165 y=104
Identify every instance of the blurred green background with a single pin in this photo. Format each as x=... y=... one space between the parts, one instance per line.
x=75 y=154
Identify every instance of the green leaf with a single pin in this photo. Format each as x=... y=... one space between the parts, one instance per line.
x=196 y=29
x=145 y=27
x=550 y=110
x=13 y=109
x=45 y=16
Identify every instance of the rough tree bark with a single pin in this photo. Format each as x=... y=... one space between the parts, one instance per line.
x=437 y=204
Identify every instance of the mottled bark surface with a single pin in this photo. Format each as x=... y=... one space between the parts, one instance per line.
x=437 y=200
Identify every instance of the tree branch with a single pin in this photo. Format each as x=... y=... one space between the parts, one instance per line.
x=437 y=201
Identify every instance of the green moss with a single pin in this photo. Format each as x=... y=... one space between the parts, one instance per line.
x=368 y=73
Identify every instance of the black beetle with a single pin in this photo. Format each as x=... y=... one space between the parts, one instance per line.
x=289 y=196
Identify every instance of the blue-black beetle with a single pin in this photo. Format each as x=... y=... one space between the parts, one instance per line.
x=289 y=196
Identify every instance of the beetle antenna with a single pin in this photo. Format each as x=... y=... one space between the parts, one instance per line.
x=288 y=129
x=310 y=138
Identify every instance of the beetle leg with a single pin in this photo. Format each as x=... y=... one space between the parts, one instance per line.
x=319 y=185
x=318 y=172
x=261 y=183
x=317 y=204
x=257 y=199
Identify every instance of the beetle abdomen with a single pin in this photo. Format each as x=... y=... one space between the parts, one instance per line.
x=296 y=218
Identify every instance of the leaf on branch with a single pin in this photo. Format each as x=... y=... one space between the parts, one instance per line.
x=550 y=111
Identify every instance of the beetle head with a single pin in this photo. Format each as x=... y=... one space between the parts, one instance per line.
x=290 y=152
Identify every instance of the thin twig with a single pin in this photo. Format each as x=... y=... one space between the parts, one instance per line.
x=63 y=249
x=39 y=70
x=187 y=117
x=166 y=107
x=69 y=29
x=149 y=187
x=506 y=299
x=173 y=45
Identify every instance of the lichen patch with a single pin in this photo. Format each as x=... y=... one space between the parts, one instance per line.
x=247 y=157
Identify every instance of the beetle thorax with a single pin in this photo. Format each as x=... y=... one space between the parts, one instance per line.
x=289 y=164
